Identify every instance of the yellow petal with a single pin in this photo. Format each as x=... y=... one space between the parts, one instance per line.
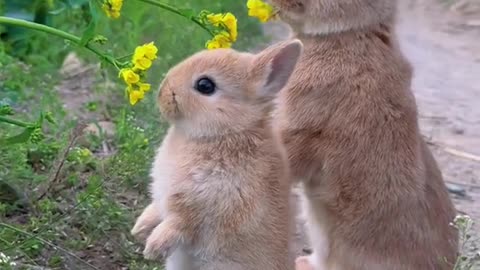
x=116 y=4
x=225 y=44
x=230 y=22
x=215 y=19
x=143 y=56
x=224 y=39
x=135 y=96
x=144 y=87
x=150 y=51
x=212 y=44
x=129 y=76
x=139 y=53
x=112 y=8
x=254 y=3
x=260 y=10
x=142 y=63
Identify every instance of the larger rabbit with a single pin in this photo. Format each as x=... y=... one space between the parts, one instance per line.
x=375 y=198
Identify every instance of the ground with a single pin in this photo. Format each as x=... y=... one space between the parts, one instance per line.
x=441 y=41
x=446 y=59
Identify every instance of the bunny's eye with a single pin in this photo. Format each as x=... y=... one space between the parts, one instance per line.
x=205 y=86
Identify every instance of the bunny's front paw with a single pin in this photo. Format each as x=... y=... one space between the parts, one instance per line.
x=146 y=222
x=162 y=242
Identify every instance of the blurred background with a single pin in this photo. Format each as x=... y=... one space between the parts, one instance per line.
x=69 y=201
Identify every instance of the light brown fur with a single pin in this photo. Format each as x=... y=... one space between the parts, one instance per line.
x=374 y=194
x=220 y=179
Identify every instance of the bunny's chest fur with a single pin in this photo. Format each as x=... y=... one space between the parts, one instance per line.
x=344 y=91
x=226 y=183
x=162 y=174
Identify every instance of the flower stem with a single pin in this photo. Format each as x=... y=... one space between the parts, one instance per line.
x=14 y=122
x=52 y=31
x=178 y=12
x=39 y=27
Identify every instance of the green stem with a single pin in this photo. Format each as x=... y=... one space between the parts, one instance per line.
x=125 y=56
x=39 y=27
x=53 y=31
x=15 y=122
x=178 y=12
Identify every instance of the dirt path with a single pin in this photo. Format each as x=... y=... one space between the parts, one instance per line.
x=441 y=46
x=446 y=83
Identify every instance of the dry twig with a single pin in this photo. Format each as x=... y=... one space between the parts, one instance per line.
x=455 y=152
x=77 y=132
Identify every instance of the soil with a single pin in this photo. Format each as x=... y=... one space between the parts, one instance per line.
x=442 y=44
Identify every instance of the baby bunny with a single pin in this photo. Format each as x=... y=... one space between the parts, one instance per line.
x=375 y=198
x=220 y=178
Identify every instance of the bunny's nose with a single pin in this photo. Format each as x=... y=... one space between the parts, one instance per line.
x=168 y=103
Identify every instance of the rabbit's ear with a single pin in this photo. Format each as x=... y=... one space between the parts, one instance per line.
x=272 y=67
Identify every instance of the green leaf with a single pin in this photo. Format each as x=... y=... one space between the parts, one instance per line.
x=39 y=122
x=20 y=138
x=89 y=32
x=28 y=10
x=49 y=118
x=6 y=110
x=95 y=10
x=41 y=12
x=5 y=107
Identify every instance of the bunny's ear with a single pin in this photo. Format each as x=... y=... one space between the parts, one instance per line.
x=273 y=67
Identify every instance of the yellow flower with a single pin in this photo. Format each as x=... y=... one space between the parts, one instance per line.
x=143 y=56
x=151 y=51
x=227 y=20
x=129 y=76
x=148 y=50
x=221 y=40
x=136 y=92
x=260 y=9
x=134 y=76
x=135 y=96
x=112 y=8
x=230 y=22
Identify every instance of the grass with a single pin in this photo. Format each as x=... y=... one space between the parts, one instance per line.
x=469 y=258
x=67 y=202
